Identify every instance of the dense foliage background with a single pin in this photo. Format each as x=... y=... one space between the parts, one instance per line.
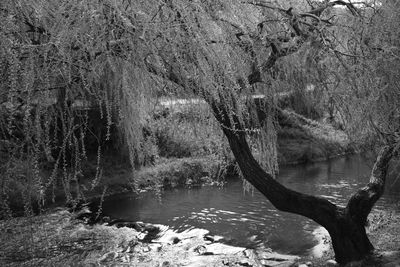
x=85 y=79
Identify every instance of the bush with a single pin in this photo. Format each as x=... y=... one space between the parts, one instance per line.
x=187 y=133
x=185 y=171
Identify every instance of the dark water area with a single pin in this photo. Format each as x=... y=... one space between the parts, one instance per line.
x=247 y=218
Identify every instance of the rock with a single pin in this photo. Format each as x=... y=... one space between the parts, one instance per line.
x=141 y=236
x=188 y=244
x=331 y=263
x=110 y=256
x=248 y=253
x=128 y=250
x=199 y=233
x=170 y=238
x=322 y=237
x=209 y=238
x=213 y=238
x=146 y=249
x=200 y=249
x=155 y=247
x=137 y=249
x=252 y=256
x=151 y=227
x=166 y=264
x=203 y=261
x=270 y=258
x=245 y=262
x=302 y=265
x=271 y=263
x=218 y=248
x=106 y=219
x=125 y=224
x=142 y=258
x=309 y=263
x=138 y=226
x=226 y=262
x=125 y=259
x=132 y=243
x=276 y=256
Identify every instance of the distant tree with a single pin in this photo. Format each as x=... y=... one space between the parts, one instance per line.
x=222 y=51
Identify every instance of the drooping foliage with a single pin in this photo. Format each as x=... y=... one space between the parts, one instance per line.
x=61 y=61
x=64 y=91
x=363 y=78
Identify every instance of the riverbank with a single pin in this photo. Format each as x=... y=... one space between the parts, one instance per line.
x=59 y=238
x=383 y=230
x=188 y=159
x=184 y=147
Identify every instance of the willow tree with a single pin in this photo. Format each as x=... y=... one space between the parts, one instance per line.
x=58 y=60
x=222 y=51
x=218 y=58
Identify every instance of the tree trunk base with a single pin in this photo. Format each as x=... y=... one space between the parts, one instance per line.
x=350 y=241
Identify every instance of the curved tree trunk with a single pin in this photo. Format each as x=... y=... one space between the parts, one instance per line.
x=346 y=225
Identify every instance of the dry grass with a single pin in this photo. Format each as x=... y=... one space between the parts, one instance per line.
x=384 y=230
x=57 y=239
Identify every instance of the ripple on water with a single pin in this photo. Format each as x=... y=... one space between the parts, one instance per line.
x=248 y=219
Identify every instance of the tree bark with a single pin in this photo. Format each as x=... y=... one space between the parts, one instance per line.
x=346 y=225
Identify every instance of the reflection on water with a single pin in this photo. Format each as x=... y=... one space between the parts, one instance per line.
x=248 y=219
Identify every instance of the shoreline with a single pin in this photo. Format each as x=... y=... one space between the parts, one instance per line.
x=63 y=238
x=68 y=240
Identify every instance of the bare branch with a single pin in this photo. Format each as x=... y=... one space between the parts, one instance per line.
x=264 y=4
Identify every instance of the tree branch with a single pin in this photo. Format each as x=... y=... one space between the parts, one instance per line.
x=265 y=5
x=318 y=209
x=318 y=11
x=361 y=203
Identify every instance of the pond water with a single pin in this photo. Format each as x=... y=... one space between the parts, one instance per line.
x=247 y=218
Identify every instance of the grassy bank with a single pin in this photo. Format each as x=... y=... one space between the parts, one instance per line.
x=303 y=140
x=383 y=230
x=183 y=146
x=187 y=154
x=194 y=154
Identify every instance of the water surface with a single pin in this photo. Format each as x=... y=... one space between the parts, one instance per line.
x=247 y=218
